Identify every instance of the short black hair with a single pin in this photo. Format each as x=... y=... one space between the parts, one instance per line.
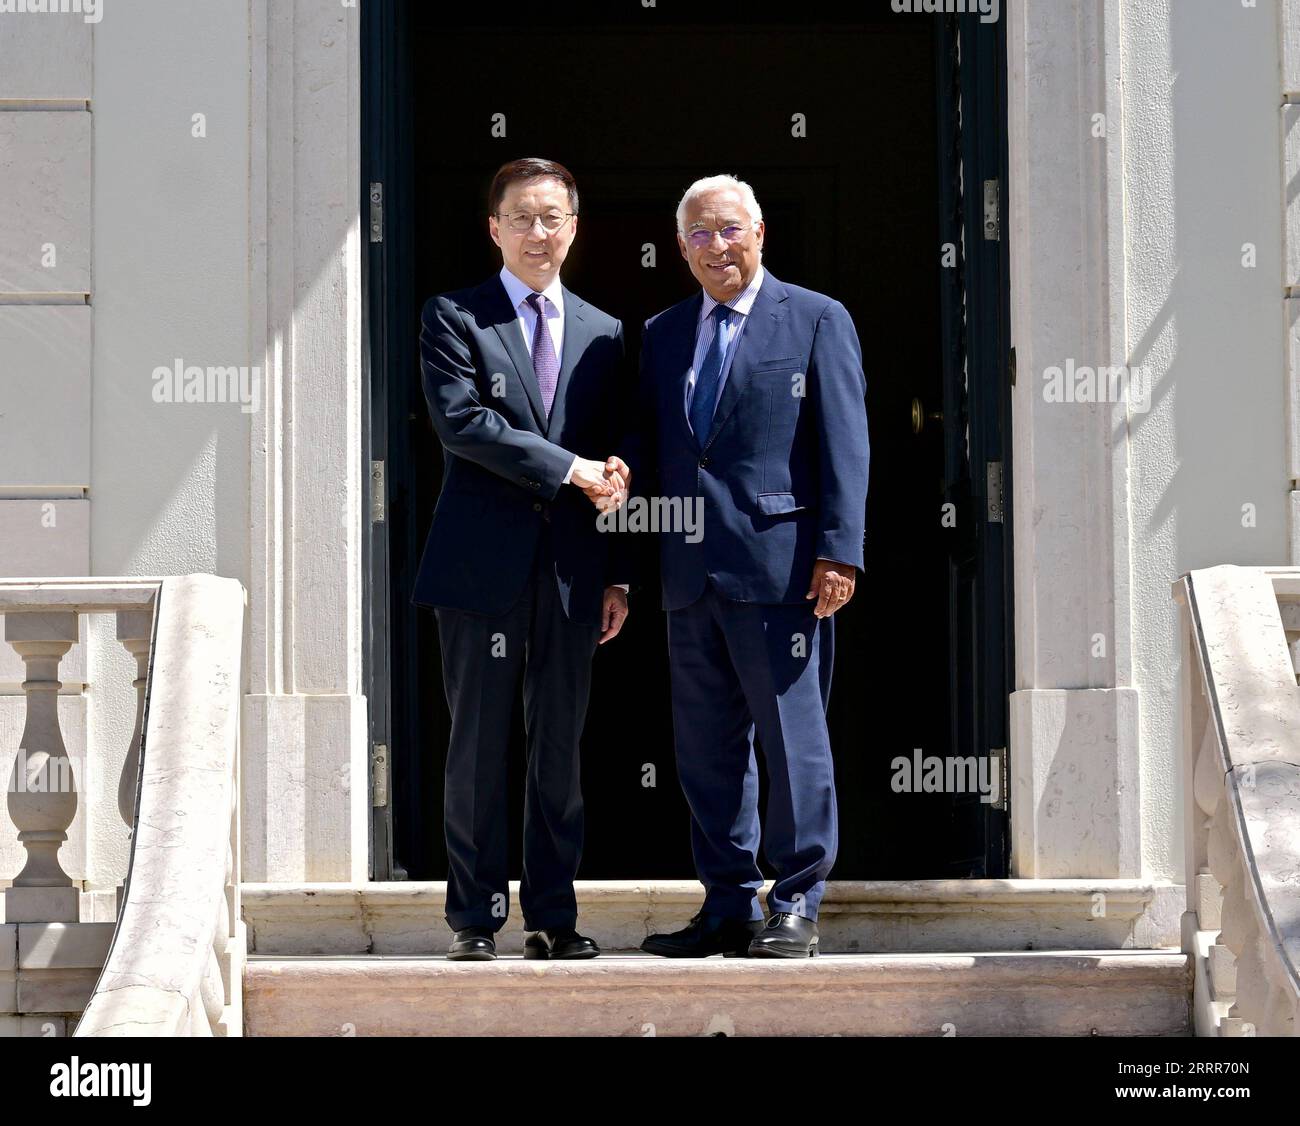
x=529 y=168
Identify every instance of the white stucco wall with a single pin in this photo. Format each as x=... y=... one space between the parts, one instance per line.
x=151 y=227
x=169 y=481
x=1145 y=155
x=171 y=281
x=1202 y=178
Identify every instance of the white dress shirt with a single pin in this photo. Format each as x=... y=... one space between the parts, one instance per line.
x=740 y=306
x=518 y=292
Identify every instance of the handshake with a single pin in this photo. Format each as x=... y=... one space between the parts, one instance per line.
x=605 y=483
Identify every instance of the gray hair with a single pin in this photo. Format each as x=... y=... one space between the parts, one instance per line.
x=716 y=183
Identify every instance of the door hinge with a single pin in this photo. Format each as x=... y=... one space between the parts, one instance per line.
x=998 y=755
x=377 y=491
x=1011 y=366
x=376 y=212
x=993 y=490
x=992 y=210
x=379 y=775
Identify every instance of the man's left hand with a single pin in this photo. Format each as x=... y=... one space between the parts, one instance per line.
x=832 y=585
x=613 y=613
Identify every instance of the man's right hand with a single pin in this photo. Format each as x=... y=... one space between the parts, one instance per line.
x=604 y=482
x=618 y=474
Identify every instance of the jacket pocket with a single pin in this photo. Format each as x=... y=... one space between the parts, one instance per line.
x=790 y=362
x=774 y=504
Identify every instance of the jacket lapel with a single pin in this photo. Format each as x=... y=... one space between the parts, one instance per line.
x=679 y=364
x=504 y=319
x=577 y=335
x=764 y=315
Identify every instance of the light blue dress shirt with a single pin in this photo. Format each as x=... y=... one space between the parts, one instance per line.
x=740 y=307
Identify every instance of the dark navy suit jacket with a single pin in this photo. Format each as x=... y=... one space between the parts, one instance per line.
x=504 y=462
x=783 y=470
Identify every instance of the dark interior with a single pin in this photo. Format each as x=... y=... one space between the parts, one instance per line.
x=638 y=103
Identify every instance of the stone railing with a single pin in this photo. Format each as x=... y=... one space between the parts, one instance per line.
x=174 y=962
x=1241 y=737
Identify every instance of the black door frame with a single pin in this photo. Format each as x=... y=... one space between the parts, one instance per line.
x=983 y=284
x=386 y=179
x=971 y=62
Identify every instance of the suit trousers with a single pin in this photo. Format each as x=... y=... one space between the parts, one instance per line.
x=737 y=669
x=484 y=659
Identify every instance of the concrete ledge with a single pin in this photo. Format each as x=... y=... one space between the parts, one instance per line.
x=995 y=994
x=47 y=973
x=96 y=906
x=53 y=991
x=44 y=1024
x=63 y=946
x=855 y=917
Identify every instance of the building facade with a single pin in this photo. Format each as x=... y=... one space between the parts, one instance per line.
x=185 y=190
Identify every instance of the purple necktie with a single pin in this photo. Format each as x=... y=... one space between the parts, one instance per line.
x=545 y=365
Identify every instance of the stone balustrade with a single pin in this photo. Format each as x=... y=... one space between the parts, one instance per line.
x=172 y=962
x=1241 y=737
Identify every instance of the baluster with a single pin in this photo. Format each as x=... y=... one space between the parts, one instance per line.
x=134 y=631
x=42 y=796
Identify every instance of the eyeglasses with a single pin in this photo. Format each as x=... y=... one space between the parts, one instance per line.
x=702 y=237
x=520 y=221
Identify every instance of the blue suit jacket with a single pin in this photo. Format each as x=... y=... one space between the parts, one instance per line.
x=783 y=471
x=504 y=462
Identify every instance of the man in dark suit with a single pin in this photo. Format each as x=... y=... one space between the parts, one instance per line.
x=522 y=379
x=754 y=401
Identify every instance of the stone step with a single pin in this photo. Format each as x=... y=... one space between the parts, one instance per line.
x=1041 y=993
x=856 y=917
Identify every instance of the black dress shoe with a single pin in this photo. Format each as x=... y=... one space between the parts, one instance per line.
x=705 y=934
x=473 y=944
x=786 y=936
x=553 y=942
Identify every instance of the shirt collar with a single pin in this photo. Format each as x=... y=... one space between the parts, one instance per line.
x=518 y=290
x=742 y=302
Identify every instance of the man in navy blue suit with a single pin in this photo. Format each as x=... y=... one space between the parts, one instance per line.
x=522 y=379
x=753 y=401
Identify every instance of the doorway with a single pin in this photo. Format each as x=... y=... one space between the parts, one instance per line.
x=862 y=131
